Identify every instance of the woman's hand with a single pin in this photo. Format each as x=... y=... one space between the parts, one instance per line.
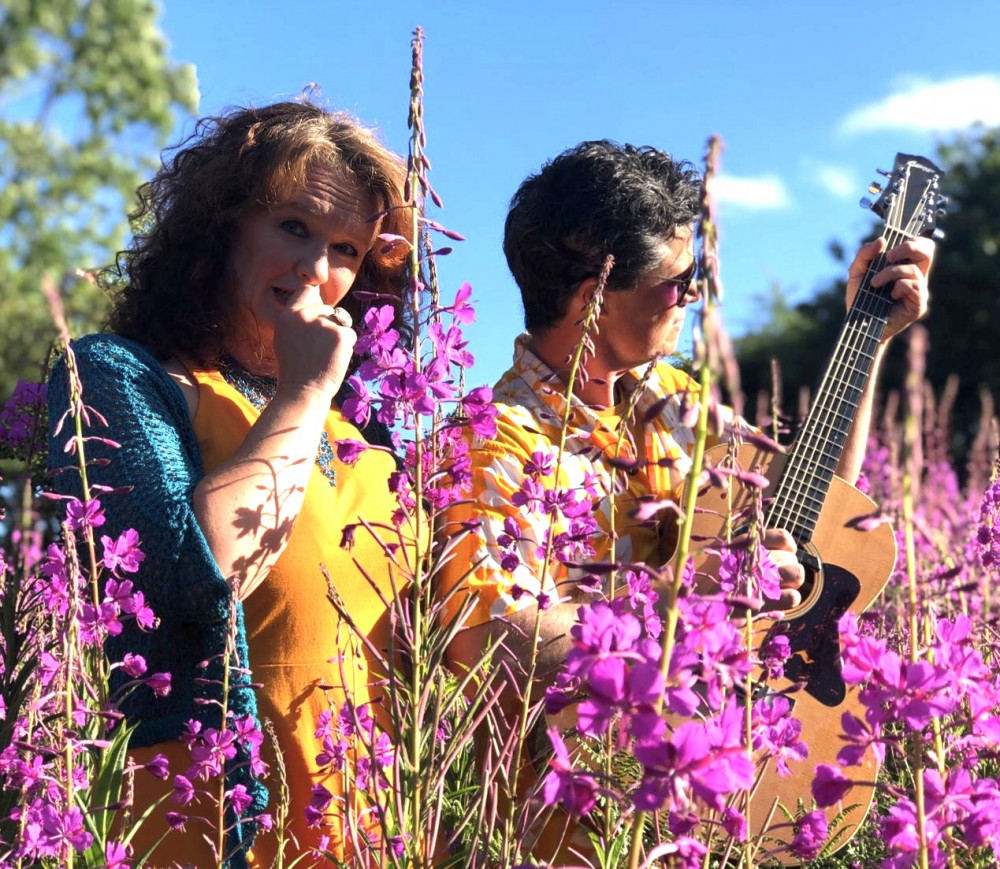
x=311 y=349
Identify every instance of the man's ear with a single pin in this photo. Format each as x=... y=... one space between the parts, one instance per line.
x=578 y=304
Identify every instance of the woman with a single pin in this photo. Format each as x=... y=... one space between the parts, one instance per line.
x=221 y=377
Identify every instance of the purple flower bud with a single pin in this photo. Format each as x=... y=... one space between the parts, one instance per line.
x=134 y=665
x=830 y=785
x=810 y=836
x=159 y=767
x=176 y=820
x=159 y=684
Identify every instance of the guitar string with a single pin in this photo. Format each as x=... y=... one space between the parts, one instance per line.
x=807 y=462
x=811 y=463
x=814 y=464
x=811 y=459
x=798 y=484
x=805 y=451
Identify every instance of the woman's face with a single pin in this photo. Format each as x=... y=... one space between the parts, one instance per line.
x=318 y=237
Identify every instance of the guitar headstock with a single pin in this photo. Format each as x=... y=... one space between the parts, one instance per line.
x=910 y=202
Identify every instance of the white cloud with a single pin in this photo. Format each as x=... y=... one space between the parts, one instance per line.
x=836 y=180
x=766 y=192
x=925 y=106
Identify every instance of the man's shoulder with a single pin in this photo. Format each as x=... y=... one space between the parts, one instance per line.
x=524 y=422
x=668 y=379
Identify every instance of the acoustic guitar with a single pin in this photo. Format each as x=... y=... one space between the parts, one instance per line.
x=846 y=567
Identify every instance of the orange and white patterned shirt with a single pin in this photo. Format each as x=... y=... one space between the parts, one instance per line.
x=504 y=569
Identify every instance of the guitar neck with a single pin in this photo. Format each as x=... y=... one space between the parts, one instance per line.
x=820 y=443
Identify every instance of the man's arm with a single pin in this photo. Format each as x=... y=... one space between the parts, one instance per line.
x=908 y=267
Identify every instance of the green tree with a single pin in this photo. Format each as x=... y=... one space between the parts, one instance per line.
x=965 y=300
x=88 y=96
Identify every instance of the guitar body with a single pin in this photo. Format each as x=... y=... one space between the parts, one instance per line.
x=853 y=568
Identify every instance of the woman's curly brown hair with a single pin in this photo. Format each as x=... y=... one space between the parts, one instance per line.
x=176 y=298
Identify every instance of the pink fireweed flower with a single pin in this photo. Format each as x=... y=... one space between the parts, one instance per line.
x=810 y=835
x=708 y=635
x=860 y=736
x=319 y=802
x=479 y=412
x=774 y=652
x=737 y=577
x=350 y=450
x=176 y=820
x=98 y=623
x=541 y=464
x=899 y=828
x=777 y=733
x=700 y=761
x=132 y=603
x=418 y=390
x=159 y=684
x=239 y=799
x=377 y=337
x=357 y=406
x=986 y=541
x=124 y=553
x=82 y=516
x=19 y=418
x=117 y=856
x=576 y=792
x=829 y=785
x=134 y=665
x=462 y=311
x=64 y=829
x=684 y=852
x=448 y=345
x=734 y=822
x=159 y=767
x=210 y=753
x=615 y=684
x=642 y=599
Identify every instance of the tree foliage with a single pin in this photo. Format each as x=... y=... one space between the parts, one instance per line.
x=87 y=96
x=965 y=303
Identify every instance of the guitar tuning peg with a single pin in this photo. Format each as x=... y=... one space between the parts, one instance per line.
x=884 y=173
x=938 y=234
x=942 y=201
x=874 y=187
x=866 y=202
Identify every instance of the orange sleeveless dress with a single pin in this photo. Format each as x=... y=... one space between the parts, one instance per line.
x=303 y=655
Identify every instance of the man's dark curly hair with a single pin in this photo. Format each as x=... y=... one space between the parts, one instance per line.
x=177 y=294
x=595 y=199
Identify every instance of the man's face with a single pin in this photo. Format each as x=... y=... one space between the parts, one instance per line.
x=645 y=322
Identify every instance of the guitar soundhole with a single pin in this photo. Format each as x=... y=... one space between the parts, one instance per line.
x=814 y=638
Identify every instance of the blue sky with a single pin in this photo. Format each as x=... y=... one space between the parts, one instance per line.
x=809 y=99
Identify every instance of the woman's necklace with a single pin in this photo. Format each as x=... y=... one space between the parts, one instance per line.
x=259 y=391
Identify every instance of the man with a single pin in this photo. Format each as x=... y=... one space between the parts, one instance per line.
x=527 y=547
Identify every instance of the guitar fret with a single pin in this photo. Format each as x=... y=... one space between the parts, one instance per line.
x=813 y=461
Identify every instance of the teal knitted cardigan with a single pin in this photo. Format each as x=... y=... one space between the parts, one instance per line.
x=159 y=458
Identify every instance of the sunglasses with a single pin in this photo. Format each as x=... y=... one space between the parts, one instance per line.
x=679 y=287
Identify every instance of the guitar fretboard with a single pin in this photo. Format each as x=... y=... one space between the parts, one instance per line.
x=820 y=444
x=909 y=206
x=814 y=458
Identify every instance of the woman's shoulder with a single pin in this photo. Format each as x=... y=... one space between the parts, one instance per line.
x=120 y=372
x=108 y=350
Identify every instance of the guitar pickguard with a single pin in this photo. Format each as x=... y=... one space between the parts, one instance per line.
x=815 y=641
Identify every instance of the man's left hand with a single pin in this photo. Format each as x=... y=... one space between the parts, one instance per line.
x=908 y=265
